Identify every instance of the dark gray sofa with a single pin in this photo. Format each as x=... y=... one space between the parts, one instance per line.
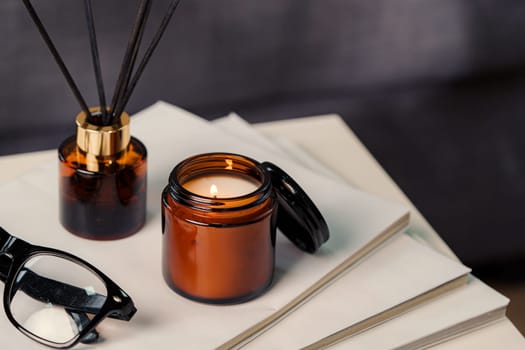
x=435 y=89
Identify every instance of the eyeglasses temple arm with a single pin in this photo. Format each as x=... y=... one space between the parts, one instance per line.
x=82 y=320
x=48 y=290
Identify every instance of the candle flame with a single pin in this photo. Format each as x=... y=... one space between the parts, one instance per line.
x=229 y=164
x=213 y=190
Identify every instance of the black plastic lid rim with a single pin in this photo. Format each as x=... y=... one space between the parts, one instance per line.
x=298 y=218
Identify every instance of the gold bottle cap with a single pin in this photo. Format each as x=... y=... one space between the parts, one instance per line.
x=102 y=140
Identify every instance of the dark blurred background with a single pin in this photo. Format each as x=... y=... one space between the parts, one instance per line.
x=434 y=88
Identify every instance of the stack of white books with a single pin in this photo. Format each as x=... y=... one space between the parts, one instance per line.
x=371 y=286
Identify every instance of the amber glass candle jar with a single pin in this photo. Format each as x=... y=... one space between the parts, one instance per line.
x=218 y=240
x=219 y=226
x=102 y=180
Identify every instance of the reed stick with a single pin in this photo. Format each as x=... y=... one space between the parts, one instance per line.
x=56 y=55
x=134 y=55
x=149 y=52
x=128 y=56
x=96 y=59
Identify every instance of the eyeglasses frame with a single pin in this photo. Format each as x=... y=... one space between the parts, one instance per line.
x=117 y=305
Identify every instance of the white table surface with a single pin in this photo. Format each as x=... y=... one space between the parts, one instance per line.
x=328 y=139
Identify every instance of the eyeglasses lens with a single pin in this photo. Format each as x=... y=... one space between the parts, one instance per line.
x=54 y=298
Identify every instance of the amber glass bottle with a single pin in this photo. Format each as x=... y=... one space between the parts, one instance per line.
x=102 y=180
x=219 y=248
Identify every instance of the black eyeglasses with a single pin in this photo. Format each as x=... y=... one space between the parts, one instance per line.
x=54 y=297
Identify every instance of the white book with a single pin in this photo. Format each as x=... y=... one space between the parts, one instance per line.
x=458 y=312
x=358 y=222
x=333 y=310
x=432 y=321
x=399 y=275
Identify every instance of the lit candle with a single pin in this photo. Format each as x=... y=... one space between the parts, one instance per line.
x=221 y=185
x=222 y=250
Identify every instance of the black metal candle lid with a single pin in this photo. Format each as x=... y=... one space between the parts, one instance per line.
x=297 y=216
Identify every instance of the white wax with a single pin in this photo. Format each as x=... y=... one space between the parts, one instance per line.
x=221 y=186
x=52 y=323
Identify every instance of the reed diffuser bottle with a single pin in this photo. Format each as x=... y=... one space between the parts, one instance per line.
x=102 y=180
x=102 y=185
